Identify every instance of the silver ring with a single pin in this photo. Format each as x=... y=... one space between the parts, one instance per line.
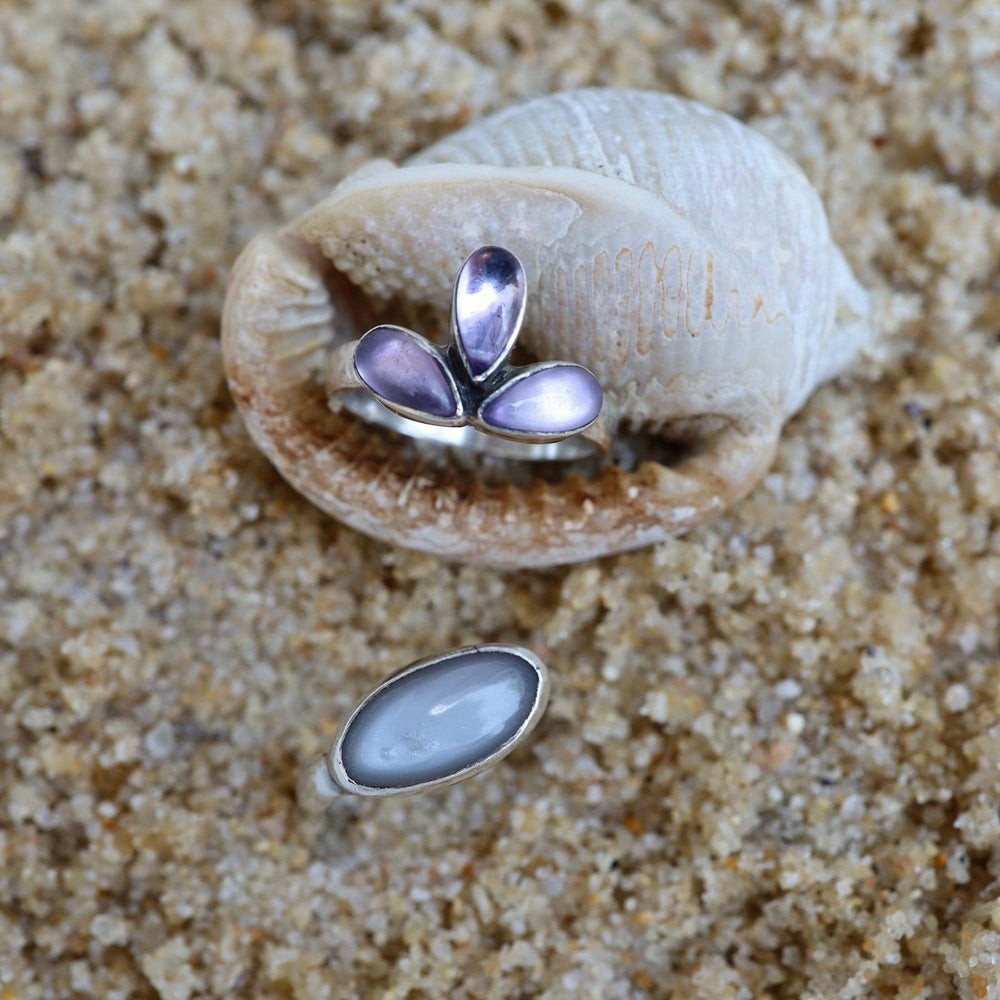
x=435 y=722
x=467 y=394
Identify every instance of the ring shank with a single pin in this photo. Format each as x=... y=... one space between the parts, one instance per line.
x=345 y=389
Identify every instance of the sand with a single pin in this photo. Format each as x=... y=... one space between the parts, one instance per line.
x=771 y=765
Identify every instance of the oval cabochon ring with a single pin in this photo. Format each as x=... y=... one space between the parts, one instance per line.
x=435 y=722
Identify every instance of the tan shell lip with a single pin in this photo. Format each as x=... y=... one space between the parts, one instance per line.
x=723 y=394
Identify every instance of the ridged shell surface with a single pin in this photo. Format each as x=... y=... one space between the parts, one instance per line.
x=673 y=251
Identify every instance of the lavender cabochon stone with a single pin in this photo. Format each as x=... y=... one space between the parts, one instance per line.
x=393 y=364
x=440 y=719
x=557 y=400
x=489 y=298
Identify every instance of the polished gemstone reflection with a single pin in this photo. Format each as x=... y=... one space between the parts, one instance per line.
x=489 y=304
x=394 y=364
x=438 y=720
x=554 y=399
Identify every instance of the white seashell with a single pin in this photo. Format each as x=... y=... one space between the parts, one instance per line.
x=673 y=251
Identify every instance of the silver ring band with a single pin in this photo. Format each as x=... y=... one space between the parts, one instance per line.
x=592 y=443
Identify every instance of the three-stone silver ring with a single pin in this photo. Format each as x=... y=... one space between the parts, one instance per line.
x=467 y=394
x=435 y=722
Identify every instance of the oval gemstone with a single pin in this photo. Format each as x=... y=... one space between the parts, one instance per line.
x=488 y=307
x=404 y=370
x=556 y=399
x=441 y=718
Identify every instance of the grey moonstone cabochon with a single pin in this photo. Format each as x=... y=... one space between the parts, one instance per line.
x=440 y=719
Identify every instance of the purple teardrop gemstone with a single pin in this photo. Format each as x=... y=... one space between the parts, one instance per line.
x=395 y=365
x=488 y=307
x=558 y=399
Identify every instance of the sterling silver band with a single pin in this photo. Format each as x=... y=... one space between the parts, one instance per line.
x=591 y=443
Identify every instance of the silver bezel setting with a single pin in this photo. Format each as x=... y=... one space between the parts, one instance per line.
x=457 y=420
x=334 y=758
x=476 y=419
x=518 y=319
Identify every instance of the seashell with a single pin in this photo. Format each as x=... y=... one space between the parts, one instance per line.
x=668 y=248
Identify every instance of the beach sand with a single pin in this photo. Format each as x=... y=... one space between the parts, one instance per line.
x=771 y=764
